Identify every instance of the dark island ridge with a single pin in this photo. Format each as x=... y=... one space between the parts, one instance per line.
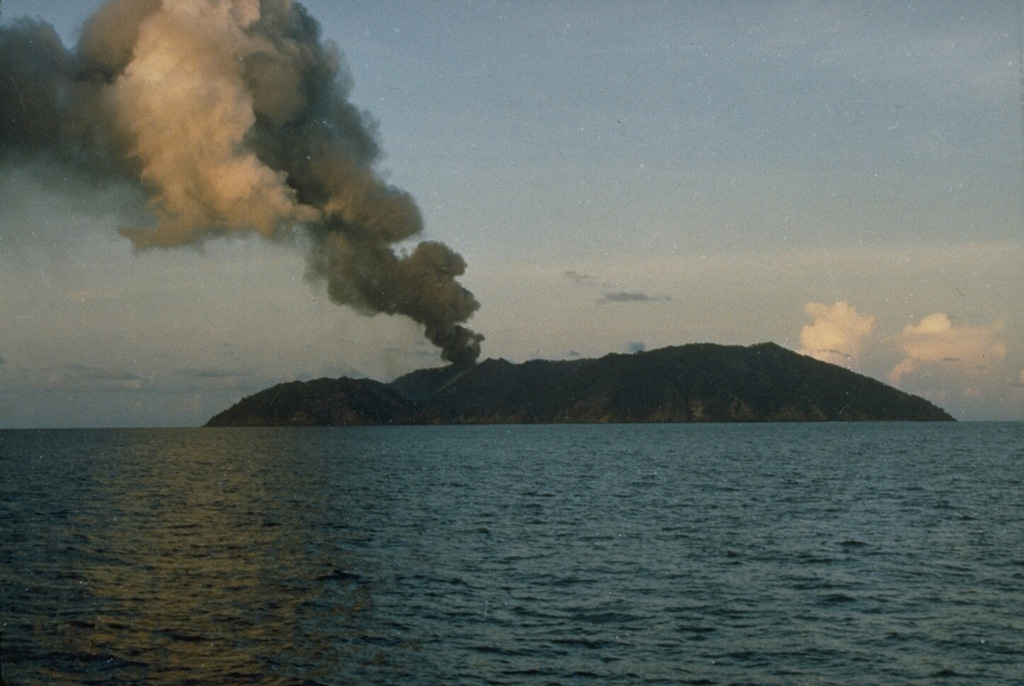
x=699 y=382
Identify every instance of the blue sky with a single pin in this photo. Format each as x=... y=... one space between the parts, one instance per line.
x=845 y=179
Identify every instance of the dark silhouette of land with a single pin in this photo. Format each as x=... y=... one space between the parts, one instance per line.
x=699 y=382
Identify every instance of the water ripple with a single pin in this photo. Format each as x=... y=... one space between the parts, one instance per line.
x=659 y=554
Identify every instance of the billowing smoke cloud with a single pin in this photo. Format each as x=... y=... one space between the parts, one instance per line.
x=233 y=115
x=838 y=334
x=935 y=341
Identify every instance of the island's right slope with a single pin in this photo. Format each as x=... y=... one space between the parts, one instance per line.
x=696 y=382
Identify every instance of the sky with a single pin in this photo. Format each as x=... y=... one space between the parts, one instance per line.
x=844 y=179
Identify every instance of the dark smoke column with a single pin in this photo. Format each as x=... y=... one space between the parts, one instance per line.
x=234 y=117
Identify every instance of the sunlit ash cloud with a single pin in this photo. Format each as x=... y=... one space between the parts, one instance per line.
x=838 y=335
x=234 y=118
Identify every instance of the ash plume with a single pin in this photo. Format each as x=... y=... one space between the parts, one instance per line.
x=233 y=116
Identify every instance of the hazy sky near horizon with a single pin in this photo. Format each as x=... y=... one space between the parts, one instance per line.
x=844 y=179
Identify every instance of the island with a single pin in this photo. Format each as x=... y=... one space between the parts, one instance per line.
x=699 y=382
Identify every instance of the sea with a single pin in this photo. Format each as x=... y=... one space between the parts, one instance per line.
x=833 y=553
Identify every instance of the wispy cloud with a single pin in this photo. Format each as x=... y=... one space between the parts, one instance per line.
x=87 y=295
x=632 y=297
x=212 y=373
x=75 y=377
x=573 y=275
x=233 y=379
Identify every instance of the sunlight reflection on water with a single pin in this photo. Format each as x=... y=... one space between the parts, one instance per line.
x=518 y=555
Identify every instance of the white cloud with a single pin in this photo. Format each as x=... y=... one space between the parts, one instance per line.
x=936 y=343
x=838 y=335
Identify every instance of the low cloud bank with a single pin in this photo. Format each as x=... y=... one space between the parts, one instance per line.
x=936 y=342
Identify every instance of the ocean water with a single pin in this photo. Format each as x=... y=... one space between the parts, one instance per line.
x=622 y=554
